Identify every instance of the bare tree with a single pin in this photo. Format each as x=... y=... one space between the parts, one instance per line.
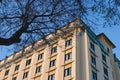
x=25 y=21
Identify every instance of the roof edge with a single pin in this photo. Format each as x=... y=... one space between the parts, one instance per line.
x=102 y=34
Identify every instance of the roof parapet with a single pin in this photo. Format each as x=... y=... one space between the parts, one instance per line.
x=102 y=34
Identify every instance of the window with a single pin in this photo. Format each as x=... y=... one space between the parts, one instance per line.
x=93 y=60
x=104 y=57
x=28 y=62
x=53 y=50
x=25 y=75
x=92 y=46
x=40 y=56
x=105 y=71
x=68 y=56
x=14 y=78
x=68 y=42
x=94 y=75
x=6 y=72
x=52 y=63
x=51 y=77
x=17 y=67
x=38 y=69
x=108 y=50
x=67 y=71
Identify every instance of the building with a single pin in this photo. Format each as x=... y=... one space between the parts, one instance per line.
x=73 y=53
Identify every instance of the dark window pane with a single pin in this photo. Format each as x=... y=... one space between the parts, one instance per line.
x=25 y=75
x=6 y=72
x=68 y=42
x=94 y=75
x=51 y=77
x=38 y=69
x=67 y=72
x=104 y=57
x=68 y=56
x=52 y=63
x=92 y=46
x=108 y=50
x=28 y=62
x=93 y=60
x=17 y=67
x=105 y=71
x=40 y=56
x=53 y=50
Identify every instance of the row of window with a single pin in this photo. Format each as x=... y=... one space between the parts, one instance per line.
x=67 y=43
x=38 y=69
x=92 y=46
x=94 y=74
x=40 y=56
x=93 y=61
x=67 y=57
x=67 y=72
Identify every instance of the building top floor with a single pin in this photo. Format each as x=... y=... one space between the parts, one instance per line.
x=102 y=36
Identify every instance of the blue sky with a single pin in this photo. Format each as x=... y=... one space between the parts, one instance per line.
x=113 y=33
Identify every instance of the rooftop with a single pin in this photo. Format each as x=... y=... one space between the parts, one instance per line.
x=102 y=34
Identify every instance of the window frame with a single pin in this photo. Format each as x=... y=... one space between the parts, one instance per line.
x=68 y=56
x=14 y=78
x=6 y=72
x=40 y=56
x=67 y=71
x=51 y=77
x=68 y=42
x=53 y=49
x=104 y=58
x=28 y=62
x=38 y=69
x=93 y=60
x=108 y=50
x=94 y=75
x=92 y=46
x=52 y=63
x=105 y=70
x=17 y=67
x=25 y=75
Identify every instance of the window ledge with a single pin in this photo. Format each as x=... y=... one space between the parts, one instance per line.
x=68 y=77
x=39 y=61
x=27 y=67
x=52 y=69
x=16 y=72
x=94 y=67
x=105 y=64
x=53 y=55
x=68 y=62
x=67 y=48
x=37 y=75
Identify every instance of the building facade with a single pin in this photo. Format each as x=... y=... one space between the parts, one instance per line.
x=73 y=53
